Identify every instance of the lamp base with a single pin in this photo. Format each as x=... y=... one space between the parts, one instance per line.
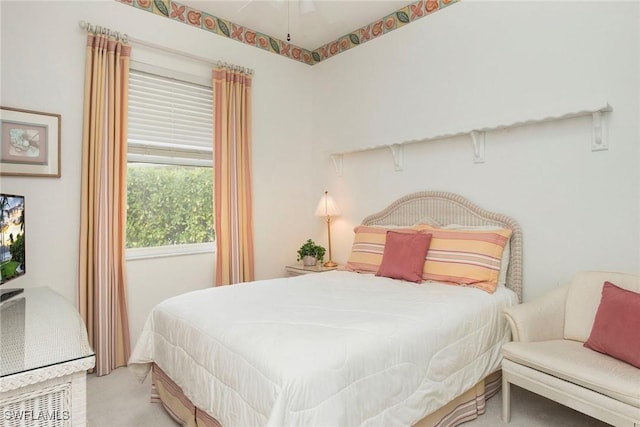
x=330 y=264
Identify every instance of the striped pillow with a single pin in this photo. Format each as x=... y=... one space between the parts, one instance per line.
x=506 y=253
x=368 y=247
x=465 y=257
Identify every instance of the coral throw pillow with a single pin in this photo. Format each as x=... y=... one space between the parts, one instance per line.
x=404 y=255
x=368 y=248
x=616 y=328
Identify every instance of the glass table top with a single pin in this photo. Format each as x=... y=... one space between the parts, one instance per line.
x=40 y=328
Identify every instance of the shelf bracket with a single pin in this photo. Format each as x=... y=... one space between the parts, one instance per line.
x=477 y=139
x=337 y=163
x=397 y=150
x=600 y=137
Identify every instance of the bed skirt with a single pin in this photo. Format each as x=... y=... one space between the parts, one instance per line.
x=464 y=408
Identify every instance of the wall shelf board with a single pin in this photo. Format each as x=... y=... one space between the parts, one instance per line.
x=599 y=139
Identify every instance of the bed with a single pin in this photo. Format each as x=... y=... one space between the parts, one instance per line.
x=339 y=348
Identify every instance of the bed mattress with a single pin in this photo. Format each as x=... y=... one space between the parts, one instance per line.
x=337 y=348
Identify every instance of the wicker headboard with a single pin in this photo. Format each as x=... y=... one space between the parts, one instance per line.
x=448 y=208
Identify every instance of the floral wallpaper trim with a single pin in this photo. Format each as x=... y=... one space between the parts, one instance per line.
x=393 y=21
x=196 y=18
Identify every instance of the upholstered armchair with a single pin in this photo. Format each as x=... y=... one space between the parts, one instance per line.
x=547 y=355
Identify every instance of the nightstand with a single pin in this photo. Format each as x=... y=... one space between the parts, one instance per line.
x=299 y=269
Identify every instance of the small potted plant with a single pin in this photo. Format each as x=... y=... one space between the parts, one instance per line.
x=310 y=253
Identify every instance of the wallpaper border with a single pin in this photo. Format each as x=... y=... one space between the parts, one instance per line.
x=196 y=18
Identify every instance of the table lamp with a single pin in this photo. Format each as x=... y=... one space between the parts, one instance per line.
x=328 y=207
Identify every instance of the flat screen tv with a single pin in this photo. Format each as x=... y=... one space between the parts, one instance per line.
x=12 y=242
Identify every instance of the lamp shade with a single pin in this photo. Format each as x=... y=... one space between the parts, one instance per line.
x=327 y=206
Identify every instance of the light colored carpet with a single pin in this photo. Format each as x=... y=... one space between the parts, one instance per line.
x=118 y=400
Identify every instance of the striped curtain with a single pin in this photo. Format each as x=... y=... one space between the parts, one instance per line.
x=232 y=175
x=102 y=290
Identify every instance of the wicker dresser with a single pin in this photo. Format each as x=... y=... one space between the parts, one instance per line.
x=44 y=356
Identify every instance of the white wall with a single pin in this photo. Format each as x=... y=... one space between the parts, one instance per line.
x=481 y=63
x=43 y=55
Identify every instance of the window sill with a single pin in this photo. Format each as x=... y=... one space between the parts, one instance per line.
x=135 y=254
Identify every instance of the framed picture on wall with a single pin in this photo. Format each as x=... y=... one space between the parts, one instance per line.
x=29 y=143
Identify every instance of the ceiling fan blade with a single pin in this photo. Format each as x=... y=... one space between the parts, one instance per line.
x=247 y=3
x=307 y=6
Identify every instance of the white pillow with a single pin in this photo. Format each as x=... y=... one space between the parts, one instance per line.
x=424 y=220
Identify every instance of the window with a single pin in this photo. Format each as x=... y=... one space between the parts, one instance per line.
x=170 y=163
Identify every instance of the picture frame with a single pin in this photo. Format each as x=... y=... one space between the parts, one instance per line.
x=29 y=143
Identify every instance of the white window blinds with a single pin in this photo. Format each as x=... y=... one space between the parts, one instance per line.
x=170 y=120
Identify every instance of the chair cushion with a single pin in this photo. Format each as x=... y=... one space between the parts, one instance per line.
x=583 y=299
x=571 y=361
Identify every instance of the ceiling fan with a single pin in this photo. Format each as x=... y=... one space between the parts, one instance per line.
x=304 y=7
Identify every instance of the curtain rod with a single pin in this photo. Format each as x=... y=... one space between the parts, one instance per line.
x=96 y=29
x=126 y=39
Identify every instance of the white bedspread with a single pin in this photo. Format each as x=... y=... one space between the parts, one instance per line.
x=330 y=349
